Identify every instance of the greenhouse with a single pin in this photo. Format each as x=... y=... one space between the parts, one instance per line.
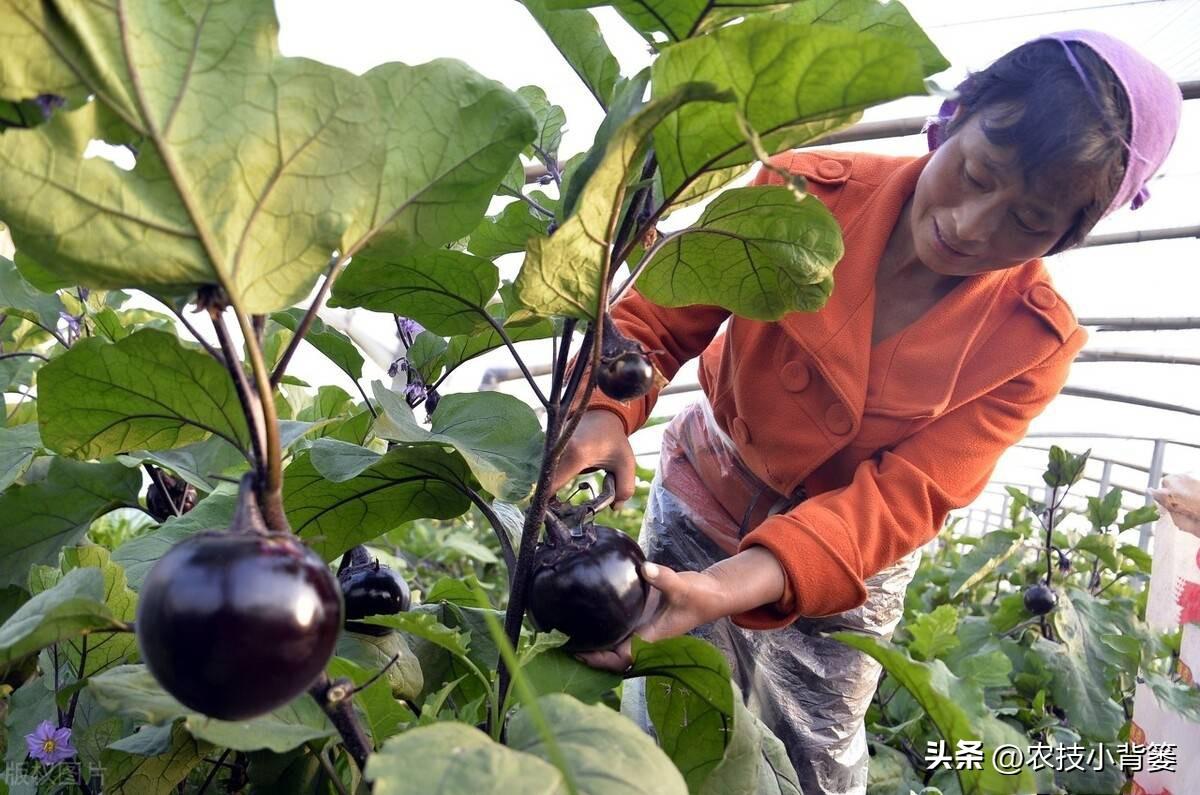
x=676 y=397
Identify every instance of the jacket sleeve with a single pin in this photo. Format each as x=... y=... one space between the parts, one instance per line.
x=672 y=336
x=897 y=501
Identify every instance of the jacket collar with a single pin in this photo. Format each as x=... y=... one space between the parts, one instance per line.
x=838 y=338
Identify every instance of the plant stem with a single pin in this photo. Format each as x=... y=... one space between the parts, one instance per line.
x=24 y=353
x=307 y=321
x=213 y=352
x=245 y=392
x=341 y=714
x=519 y=586
x=366 y=400
x=52 y=332
x=213 y=773
x=54 y=660
x=271 y=493
x=558 y=431
x=641 y=266
x=78 y=676
x=506 y=547
x=327 y=766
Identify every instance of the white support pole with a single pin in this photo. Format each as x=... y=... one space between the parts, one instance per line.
x=1156 y=473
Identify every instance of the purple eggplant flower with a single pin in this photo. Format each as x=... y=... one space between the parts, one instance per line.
x=408 y=328
x=49 y=744
x=48 y=103
x=415 y=392
x=398 y=366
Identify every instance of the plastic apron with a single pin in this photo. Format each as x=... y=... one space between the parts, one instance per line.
x=810 y=690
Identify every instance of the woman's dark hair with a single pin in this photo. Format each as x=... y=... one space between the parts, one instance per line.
x=1032 y=99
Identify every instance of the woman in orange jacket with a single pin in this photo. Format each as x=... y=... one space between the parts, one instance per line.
x=830 y=446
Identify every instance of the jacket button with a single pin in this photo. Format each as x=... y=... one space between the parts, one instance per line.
x=795 y=376
x=837 y=418
x=830 y=169
x=1043 y=297
x=740 y=431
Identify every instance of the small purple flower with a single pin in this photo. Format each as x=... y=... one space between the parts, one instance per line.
x=408 y=328
x=48 y=103
x=398 y=366
x=50 y=745
x=415 y=392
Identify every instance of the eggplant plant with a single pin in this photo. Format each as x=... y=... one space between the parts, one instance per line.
x=149 y=317
x=1001 y=641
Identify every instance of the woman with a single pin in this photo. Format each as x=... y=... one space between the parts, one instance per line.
x=830 y=446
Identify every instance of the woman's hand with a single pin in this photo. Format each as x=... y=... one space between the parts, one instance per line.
x=599 y=442
x=679 y=602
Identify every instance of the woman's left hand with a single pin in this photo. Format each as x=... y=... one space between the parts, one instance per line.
x=679 y=602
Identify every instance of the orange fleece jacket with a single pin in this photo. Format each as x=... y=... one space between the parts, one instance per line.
x=963 y=384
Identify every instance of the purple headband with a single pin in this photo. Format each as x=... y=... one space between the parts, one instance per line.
x=1155 y=104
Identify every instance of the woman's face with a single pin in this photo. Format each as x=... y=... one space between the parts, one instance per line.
x=973 y=212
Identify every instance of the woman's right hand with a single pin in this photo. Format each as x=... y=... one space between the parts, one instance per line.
x=599 y=442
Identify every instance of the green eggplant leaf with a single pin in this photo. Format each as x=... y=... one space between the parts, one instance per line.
x=577 y=36
x=757 y=252
x=41 y=518
x=408 y=482
x=447 y=292
x=147 y=391
x=791 y=83
x=563 y=274
x=497 y=434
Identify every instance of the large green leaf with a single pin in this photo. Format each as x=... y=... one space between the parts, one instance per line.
x=507 y=232
x=675 y=20
x=934 y=633
x=556 y=671
x=407 y=483
x=18 y=446
x=445 y=291
x=450 y=136
x=888 y=20
x=577 y=36
x=404 y=678
x=463 y=348
x=20 y=299
x=302 y=158
x=336 y=346
x=602 y=751
x=563 y=274
x=131 y=690
x=792 y=83
x=549 y=119
x=755 y=761
x=758 y=252
x=958 y=710
x=43 y=517
x=104 y=650
x=73 y=607
x=200 y=462
x=691 y=702
x=454 y=757
x=987 y=556
x=497 y=434
x=159 y=774
x=138 y=555
x=256 y=202
x=147 y=391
